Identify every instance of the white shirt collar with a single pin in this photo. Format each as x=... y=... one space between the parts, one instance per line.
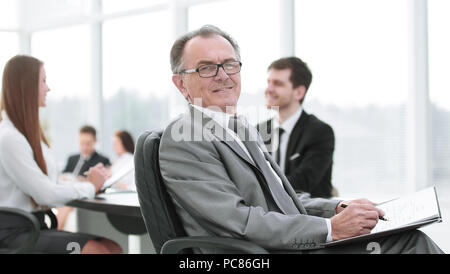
x=220 y=117
x=289 y=124
x=86 y=158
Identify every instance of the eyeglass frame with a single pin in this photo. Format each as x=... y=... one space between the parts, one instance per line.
x=188 y=71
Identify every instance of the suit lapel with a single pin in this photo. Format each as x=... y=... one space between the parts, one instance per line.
x=221 y=134
x=92 y=158
x=287 y=186
x=75 y=161
x=87 y=164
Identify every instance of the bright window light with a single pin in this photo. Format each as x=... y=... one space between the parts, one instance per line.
x=357 y=51
x=9 y=14
x=110 y=6
x=136 y=74
x=9 y=46
x=258 y=38
x=67 y=60
x=439 y=45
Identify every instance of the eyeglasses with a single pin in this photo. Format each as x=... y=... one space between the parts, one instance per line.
x=207 y=71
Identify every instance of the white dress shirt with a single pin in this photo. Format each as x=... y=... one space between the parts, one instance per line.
x=124 y=160
x=223 y=118
x=21 y=178
x=287 y=126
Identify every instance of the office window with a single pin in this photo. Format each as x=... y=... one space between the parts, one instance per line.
x=9 y=47
x=9 y=14
x=357 y=53
x=110 y=6
x=254 y=24
x=439 y=45
x=136 y=74
x=66 y=55
x=43 y=13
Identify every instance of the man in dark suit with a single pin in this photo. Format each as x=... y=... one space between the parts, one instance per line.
x=301 y=144
x=78 y=164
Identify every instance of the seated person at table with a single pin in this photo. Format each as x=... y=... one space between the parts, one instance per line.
x=223 y=182
x=28 y=172
x=78 y=164
x=123 y=145
x=301 y=144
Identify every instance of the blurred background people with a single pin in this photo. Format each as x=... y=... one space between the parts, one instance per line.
x=78 y=164
x=302 y=145
x=28 y=171
x=123 y=145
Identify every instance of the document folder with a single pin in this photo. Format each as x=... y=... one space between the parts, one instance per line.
x=408 y=212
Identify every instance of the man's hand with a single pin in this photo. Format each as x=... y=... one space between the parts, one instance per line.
x=358 y=218
x=97 y=175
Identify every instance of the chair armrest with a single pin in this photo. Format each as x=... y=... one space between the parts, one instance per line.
x=174 y=246
x=34 y=233
x=53 y=219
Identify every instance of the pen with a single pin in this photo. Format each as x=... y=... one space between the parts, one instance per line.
x=379 y=217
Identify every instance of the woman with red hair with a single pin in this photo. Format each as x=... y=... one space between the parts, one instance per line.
x=28 y=172
x=123 y=145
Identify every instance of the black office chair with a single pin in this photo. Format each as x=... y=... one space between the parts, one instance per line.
x=163 y=224
x=18 y=215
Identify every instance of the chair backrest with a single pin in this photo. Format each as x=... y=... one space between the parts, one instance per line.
x=157 y=208
x=13 y=220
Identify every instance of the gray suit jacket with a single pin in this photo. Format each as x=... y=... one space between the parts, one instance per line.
x=217 y=190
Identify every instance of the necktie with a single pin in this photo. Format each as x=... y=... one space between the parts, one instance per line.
x=278 y=156
x=79 y=165
x=282 y=199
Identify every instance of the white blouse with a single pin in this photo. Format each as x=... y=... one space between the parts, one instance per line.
x=124 y=160
x=21 y=177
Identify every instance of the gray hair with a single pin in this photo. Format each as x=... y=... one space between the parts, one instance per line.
x=176 y=53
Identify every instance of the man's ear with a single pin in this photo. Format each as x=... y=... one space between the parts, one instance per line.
x=178 y=80
x=299 y=93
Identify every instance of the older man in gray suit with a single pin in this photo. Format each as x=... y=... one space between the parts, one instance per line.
x=223 y=183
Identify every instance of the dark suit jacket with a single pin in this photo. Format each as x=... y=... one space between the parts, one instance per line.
x=95 y=159
x=312 y=144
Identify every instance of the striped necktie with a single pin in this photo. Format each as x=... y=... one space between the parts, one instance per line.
x=282 y=199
